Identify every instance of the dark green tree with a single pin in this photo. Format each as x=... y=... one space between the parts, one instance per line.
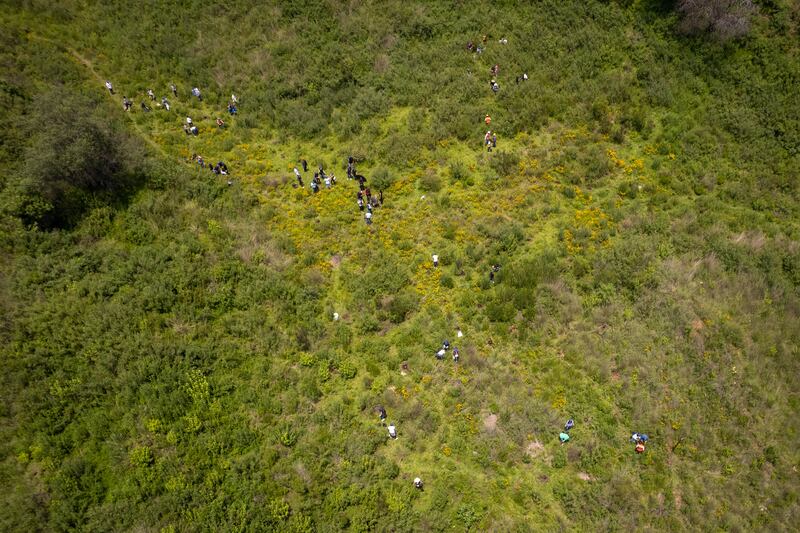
x=74 y=159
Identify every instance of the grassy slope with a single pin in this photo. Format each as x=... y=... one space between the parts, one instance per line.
x=195 y=323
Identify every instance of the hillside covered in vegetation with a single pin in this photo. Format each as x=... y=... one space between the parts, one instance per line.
x=186 y=350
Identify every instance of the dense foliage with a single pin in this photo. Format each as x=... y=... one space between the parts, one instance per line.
x=170 y=357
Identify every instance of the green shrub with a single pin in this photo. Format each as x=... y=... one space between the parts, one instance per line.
x=505 y=164
x=141 y=456
x=458 y=172
x=400 y=306
x=560 y=457
x=381 y=179
x=467 y=516
x=287 y=436
x=500 y=311
x=430 y=181
x=347 y=369
x=278 y=510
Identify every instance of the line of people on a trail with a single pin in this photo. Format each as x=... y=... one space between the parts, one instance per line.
x=188 y=128
x=490 y=139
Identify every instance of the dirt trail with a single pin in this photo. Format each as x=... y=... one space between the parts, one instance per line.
x=100 y=83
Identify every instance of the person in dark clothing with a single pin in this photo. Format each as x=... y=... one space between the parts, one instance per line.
x=382 y=413
x=304 y=163
x=456 y=354
x=380 y=197
x=368 y=194
x=126 y=104
x=145 y=108
x=493 y=271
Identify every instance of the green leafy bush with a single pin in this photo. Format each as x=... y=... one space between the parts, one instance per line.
x=430 y=182
x=381 y=179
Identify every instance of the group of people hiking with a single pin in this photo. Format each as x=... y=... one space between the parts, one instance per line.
x=490 y=138
x=320 y=177
x=220 y=168
x=639 y=439
x=189 y=127
x=443 y=351
x=564 y=435
x=127 y=103
x=365 y=199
